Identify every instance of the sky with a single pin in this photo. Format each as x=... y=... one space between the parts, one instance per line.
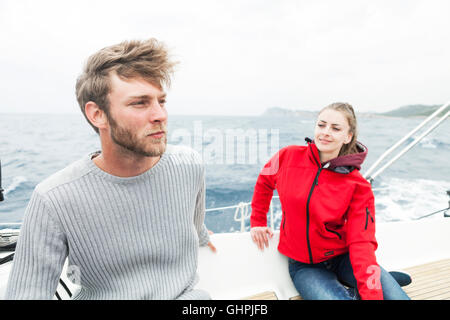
x=235 y=57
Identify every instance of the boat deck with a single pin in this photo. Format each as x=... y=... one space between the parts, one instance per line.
x=430 y=281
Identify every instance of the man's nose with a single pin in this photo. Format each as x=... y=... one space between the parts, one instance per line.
x=157 y=113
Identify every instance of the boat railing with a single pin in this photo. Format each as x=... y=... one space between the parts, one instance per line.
x=243 y=210
x=370 y=176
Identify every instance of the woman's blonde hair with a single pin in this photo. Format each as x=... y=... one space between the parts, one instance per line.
x=347 y=110
x=146 y=59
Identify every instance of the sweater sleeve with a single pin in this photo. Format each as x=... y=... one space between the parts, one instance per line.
x=40 y=254
x=263 y=192
x=199 y=214
x=362 y=243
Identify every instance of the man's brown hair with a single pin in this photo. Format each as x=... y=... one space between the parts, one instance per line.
x=146 y=59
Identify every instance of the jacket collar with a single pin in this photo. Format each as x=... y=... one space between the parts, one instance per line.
x=343 y=164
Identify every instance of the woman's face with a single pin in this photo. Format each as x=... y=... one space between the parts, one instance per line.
x=331 y=132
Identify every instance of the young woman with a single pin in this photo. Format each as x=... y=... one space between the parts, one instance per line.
x=328 y=224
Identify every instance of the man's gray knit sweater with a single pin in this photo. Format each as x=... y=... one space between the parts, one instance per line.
x=129 y=238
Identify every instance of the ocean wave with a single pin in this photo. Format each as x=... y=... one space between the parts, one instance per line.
x=408 y=199
x=17 y=184
x=431 y=142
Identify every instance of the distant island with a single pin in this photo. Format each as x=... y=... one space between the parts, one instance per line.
x=415 y=110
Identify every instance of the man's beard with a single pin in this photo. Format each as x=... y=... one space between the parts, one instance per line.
x=146 y=146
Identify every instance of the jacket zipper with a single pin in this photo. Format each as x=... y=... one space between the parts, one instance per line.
x=284 y=221
x=367 y=218
x=315 y=183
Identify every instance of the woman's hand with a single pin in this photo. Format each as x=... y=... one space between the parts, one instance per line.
x=261 y=236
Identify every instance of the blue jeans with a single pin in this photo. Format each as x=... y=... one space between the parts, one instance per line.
x=334 y=280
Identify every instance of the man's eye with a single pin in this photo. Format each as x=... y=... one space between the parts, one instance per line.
x=162 y=102
x=336 y=129
x=321 y=125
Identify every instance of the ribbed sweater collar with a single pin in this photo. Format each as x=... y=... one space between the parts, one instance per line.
x=115 y=179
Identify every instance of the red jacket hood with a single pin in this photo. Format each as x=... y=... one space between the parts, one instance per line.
x=342 y=164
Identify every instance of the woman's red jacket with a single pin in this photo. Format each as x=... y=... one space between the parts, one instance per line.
x=328 y=209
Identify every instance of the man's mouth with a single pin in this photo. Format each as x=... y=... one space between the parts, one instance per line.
x=157 y=135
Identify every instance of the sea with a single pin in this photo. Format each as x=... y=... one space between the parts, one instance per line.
x=234 y=150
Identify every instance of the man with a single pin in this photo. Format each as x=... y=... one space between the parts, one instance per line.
x=131 y=217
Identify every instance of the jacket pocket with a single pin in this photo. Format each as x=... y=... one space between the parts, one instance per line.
x=284 y=221
x=368 y=216
x=333 y=231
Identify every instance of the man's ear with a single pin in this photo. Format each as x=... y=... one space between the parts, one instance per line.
x=96 y=115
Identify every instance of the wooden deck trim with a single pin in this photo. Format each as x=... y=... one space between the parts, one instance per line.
x=266 y=295
x=430 y=281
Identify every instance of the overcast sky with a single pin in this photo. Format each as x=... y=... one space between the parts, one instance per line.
x=236 y=57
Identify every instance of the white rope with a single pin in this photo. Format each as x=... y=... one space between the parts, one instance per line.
x=223 y=208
